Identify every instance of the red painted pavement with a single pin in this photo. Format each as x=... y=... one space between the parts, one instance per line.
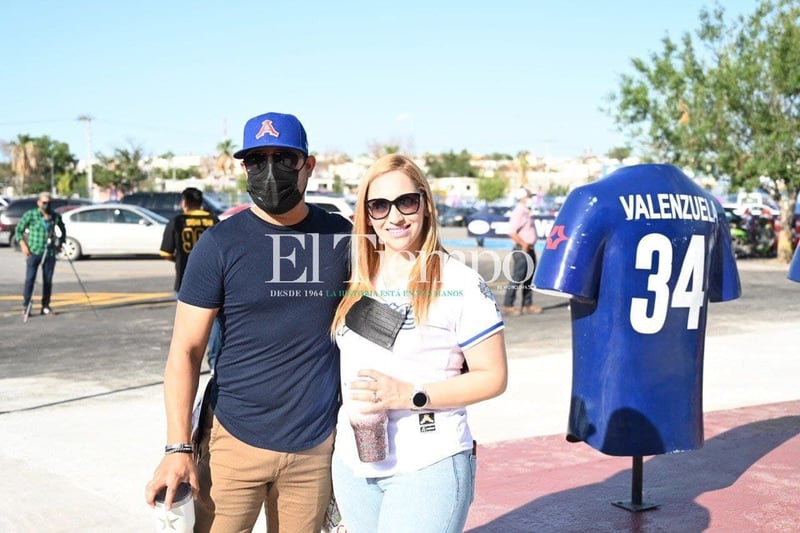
x=746 y=478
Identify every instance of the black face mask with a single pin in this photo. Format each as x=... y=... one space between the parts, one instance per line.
x=274 y=189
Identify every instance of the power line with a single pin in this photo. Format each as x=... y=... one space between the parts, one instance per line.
x=41 y=121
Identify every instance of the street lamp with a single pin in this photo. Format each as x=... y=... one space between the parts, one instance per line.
x=87 y=119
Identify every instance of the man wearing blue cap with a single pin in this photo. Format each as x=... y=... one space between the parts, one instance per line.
x=272 y=274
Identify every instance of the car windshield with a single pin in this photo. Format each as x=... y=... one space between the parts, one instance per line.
x=155 y=216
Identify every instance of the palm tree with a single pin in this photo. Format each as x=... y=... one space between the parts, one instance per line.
x=522 y=161
x=24 y=159
x=224 y=162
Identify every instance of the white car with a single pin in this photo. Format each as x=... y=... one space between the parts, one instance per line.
x=332 y=204
x=111 y=229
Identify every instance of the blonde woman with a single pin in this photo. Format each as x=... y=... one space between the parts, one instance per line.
x=421 y=337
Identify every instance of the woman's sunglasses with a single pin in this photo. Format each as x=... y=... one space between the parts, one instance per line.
x=255 y=163
x=407 y=204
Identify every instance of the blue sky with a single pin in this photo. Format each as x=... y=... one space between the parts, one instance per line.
x=432 y=76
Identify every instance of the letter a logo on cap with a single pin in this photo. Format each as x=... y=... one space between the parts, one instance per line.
x=267 y=128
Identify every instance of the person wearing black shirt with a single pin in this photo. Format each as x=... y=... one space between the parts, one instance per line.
x=180 y=236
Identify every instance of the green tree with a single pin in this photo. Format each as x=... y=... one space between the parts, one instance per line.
x=731 y=109
x=38 y=163
x=338 y=184
x=5 y=175
x=170 y=172
x=491 y=189
x=186 y=173
x=124 y=169
x=450 y=164
x=619 y=153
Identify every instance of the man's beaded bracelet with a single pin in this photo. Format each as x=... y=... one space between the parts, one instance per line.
x=178 y=448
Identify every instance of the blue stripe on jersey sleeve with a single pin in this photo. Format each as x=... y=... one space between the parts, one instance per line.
x=482 y=335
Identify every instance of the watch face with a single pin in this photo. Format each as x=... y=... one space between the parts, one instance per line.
x=420 y=399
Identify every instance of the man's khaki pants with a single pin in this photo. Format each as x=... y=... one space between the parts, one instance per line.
x=237 y=479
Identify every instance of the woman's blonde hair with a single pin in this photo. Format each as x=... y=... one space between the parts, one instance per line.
x=425 y=279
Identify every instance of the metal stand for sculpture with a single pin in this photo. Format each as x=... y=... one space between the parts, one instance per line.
x=635 y=504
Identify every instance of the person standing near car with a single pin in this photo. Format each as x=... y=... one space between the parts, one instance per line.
x=40 y=247
x=523 y=234
x=180 y=236
x=274 y=273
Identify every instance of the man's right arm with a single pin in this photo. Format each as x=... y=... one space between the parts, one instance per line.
x=181 y=376
x=19 y=233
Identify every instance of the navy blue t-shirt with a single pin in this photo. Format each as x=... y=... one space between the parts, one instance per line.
x=642 y=252
x=277 y=287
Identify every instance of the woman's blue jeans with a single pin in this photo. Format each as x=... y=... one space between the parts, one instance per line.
x=435 y=499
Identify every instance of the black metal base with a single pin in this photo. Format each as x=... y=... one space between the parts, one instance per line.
x=635 y=504
x=635 y=507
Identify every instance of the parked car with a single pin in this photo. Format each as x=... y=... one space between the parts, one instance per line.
x=454 y=216
x=331 y=204
x=111 y=229
x=12 y=213
x=488 y=222
x=492 y=222
x=167 y=204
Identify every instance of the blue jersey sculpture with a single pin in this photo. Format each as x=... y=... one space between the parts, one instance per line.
x=641 y=252
x=794 y=268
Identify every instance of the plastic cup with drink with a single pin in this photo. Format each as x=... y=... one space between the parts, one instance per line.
x=371 y=429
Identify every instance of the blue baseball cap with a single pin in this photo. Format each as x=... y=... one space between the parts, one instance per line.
x=276 y=130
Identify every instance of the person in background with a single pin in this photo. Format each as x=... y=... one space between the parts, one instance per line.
x=40 y=248
x=274 y=274
x=523 y=234
x=180 y=236
x=447 y=352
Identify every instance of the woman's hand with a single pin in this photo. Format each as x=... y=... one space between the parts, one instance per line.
x=381 y=390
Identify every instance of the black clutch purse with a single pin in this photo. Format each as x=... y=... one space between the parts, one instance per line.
x=375 y=321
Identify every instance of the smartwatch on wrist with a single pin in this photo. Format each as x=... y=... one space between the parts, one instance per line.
x=420 y=399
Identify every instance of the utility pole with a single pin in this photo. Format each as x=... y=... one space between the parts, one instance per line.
x=52 y=181
x=87 y=119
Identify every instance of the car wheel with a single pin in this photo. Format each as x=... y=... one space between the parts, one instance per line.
x=70 y=250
